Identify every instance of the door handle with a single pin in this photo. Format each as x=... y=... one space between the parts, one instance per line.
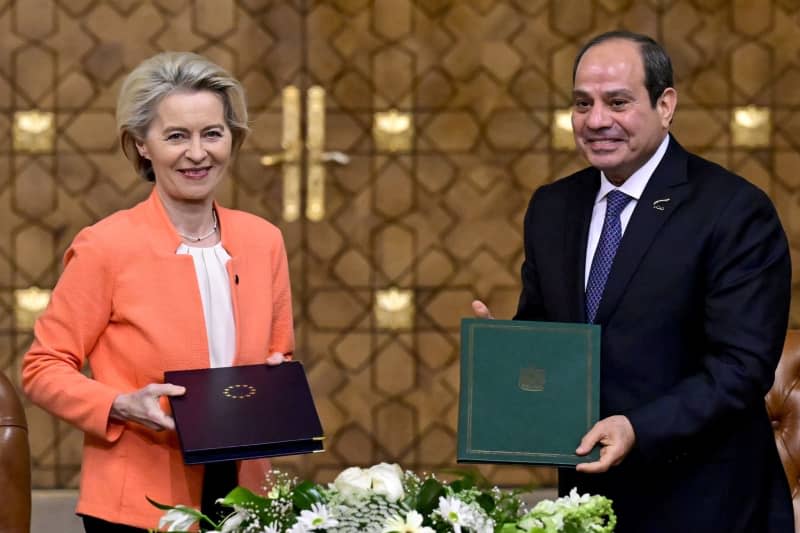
x=317 y=157
x=334 y=157
x=290 y=156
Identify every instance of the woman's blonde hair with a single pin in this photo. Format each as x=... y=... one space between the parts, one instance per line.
x=160 y=75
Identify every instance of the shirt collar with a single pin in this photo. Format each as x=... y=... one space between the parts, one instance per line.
x=634 y=186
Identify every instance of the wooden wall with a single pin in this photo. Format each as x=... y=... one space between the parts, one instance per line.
x=439 y=220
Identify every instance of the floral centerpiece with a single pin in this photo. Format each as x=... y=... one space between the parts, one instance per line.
x=385 y=499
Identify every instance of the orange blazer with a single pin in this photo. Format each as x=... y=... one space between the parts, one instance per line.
x=130 y=306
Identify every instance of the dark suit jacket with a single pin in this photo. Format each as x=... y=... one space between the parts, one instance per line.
x=693 y=319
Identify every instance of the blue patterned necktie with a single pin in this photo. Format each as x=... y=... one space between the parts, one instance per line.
x=607 y=246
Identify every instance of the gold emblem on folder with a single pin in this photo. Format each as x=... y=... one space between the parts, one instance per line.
x=531 y=379
x=240 y=391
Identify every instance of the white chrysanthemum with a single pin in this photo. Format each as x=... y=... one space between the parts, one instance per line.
x=367 y=514
x=298 y=527
x=476 y=519
x=530 y=522
x=546 y=506
x=177 y=519
x=411 y=524
x=319 y=517
x=271 y=528
x=234 y=521
x=454 y=512
x=574 y=499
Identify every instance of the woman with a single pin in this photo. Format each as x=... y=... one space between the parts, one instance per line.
x=175 y=282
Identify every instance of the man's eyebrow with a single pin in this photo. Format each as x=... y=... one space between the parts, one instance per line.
x=618 y=92
x=607 y=94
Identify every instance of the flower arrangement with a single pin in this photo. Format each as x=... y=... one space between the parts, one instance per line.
x=386 y=499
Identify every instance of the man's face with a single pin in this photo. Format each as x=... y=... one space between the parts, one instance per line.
x=615 y=126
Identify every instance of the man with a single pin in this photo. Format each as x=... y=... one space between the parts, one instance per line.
x=686 y=268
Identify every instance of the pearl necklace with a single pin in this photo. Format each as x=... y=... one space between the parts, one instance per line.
x=207 y=235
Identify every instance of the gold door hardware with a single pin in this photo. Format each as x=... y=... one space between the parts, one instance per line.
x=751 y=126
x=292 y=146
x=29 y=304
x=394 y=308
x=290 y=157
x=34 y=131
x=393 y=131
x=317 y=157
x=561 y=130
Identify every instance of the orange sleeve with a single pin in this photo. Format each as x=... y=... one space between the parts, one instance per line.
x=64 y=335
x=282 y=338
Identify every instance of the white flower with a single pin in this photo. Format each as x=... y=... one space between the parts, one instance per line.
x=454 y=512
x=317 y=518
x=233 y=521
x=387 y=480
x=479 y=522
x=298 y=527
x=574 y=499
x=177 y=519
x=411 y=524
x=272 y=528
x=529 y=522
x=352 y=481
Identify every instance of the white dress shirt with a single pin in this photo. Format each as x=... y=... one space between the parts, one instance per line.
x=215 y=293
x=633 y=187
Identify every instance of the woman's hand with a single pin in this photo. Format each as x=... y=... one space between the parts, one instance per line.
x=276 y=358
x=142 y=406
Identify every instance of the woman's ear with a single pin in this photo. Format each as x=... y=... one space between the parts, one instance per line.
x=142 y=149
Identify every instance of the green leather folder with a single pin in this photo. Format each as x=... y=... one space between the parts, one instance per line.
x=529 y=391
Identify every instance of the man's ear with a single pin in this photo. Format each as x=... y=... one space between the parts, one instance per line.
x=666 y=105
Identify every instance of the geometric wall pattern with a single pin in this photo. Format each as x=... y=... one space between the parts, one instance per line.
x=481 y=79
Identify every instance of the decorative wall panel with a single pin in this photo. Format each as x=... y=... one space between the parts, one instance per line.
x=439 y=220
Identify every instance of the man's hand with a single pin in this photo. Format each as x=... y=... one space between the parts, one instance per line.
x=142 y=406
x=481 y=310
x=276 y=358
x=616 y=436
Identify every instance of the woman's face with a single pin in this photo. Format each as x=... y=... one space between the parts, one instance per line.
x=189 y=146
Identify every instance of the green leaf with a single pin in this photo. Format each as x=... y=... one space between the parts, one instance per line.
x=486 y=502
x=465 y=483
x=305 y=494
x=428 y=496
x=240 y=496
x=161 y=506
x=191 y=511
x=508 y=527
x=476 y=479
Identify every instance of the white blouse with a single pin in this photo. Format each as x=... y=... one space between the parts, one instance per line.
x=215 y=293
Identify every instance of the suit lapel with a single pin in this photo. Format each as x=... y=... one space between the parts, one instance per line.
x=666 y=190
x=576 y=234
